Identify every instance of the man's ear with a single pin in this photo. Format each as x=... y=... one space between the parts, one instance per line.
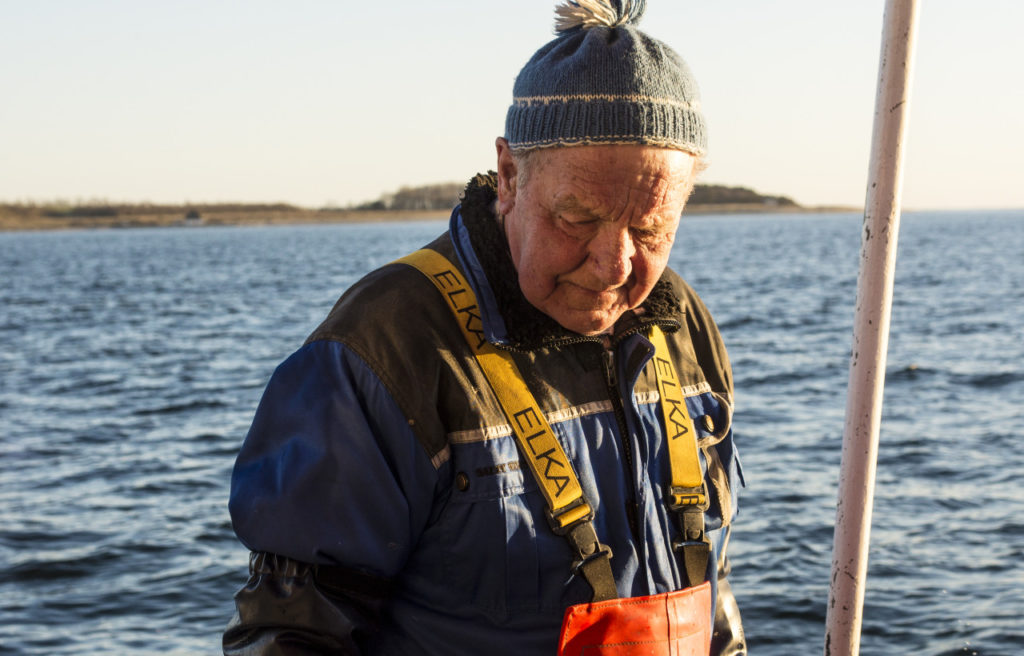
x=507 y=172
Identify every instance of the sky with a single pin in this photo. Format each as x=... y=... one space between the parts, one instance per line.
x=333 y=103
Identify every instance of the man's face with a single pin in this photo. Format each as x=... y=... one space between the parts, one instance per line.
x=591 y=227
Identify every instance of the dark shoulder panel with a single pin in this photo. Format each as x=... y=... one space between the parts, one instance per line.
x=703 y=334
x=396 y=321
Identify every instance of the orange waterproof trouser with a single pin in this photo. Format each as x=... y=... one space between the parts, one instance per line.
x=668 y=624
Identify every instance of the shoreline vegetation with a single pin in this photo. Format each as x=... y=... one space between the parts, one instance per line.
x=406 y=204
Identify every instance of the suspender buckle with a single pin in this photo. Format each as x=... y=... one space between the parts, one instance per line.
x=692 y=525
x=575 y=522
x=566 y=518
x=600 y=551
x=586 y=547
x=689 y=504
x=686 y=498
x=694 y=546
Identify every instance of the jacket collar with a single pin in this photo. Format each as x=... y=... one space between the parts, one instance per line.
x=526 y=327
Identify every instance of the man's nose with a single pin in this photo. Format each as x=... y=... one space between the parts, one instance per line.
x=611 y=252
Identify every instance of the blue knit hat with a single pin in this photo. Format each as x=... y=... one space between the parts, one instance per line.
x=603 y=81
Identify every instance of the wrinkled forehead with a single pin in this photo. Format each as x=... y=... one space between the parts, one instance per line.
x=609 y=178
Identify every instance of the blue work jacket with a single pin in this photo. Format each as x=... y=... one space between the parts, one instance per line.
x=382 y=493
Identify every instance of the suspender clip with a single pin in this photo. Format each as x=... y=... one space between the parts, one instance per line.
x=586 y=547
x=691 y=521
x=600 y=551
x=575 y=522
x=686 y=498
x=694 y=546
x=568 y=517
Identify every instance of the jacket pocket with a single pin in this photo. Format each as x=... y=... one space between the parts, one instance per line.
x=501 y=551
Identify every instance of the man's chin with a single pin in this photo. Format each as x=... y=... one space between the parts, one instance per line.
x=586 y=316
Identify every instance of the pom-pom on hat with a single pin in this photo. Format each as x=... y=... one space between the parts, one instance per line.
x=603 y=81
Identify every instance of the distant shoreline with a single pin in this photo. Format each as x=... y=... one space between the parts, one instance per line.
x=10 y=221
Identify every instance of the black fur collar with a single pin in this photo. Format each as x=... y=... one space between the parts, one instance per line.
x=529 y=328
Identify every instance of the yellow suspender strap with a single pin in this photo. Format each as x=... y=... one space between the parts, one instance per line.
x=547 y=460
x=568 y=511
x=688 y=494
x=687 y=479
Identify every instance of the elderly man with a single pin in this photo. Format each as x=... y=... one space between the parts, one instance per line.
x=518 y=439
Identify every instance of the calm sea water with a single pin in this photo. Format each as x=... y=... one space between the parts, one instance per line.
x=131 y=362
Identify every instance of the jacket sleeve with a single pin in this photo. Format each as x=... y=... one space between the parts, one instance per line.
x=727 y=638
x=330 y=492
x=289 y=607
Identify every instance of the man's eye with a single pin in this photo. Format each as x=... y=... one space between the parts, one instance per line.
x=578 y=227
x=654 y=239
x=646 y=235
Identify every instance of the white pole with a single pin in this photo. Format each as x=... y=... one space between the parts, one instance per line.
x=871 y=332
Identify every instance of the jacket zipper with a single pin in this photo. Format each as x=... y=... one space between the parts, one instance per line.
x=627 y=448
